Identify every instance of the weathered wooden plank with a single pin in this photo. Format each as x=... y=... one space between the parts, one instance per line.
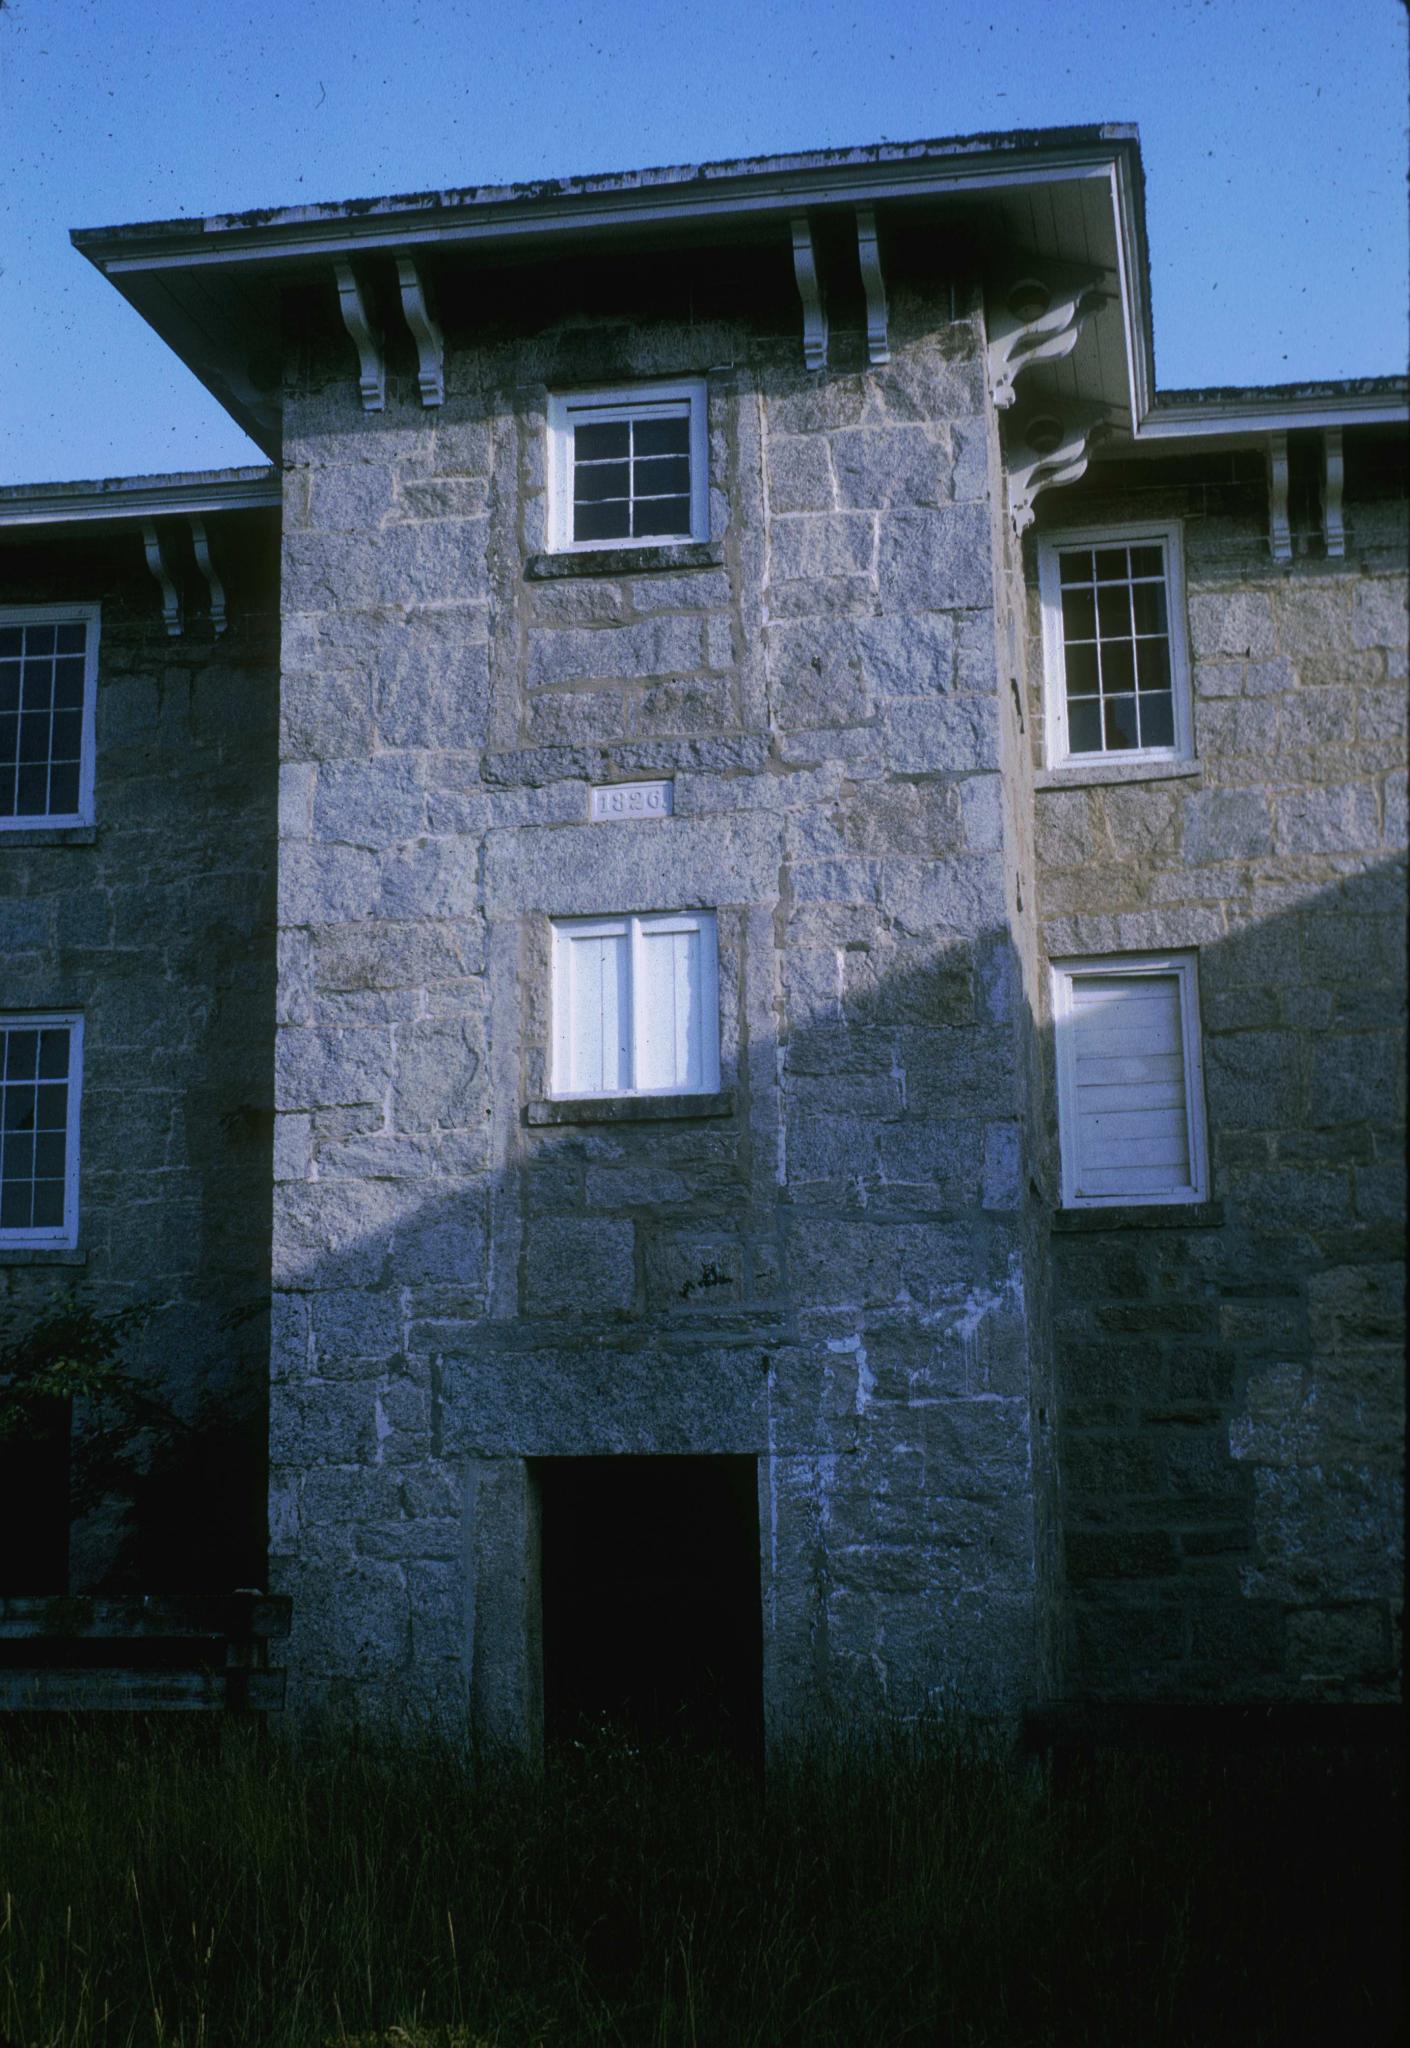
x=77 y=1616
x=123 y=1691
x=138 y=1692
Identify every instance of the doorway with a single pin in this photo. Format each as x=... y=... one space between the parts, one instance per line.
x=651 y=1612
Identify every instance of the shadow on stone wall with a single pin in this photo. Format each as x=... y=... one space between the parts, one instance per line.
x=857 y=1300
x=158 y=925
x=1231 y=1384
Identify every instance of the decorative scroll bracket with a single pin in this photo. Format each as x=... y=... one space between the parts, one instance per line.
x=874 y=284
x=201 y=543
x=1038 y=319
x=805 y=270
x=430 y=343
x=1280 y=544
x=371 y=364
x=157 y=563
x=1333 y=483
x=1046 y=451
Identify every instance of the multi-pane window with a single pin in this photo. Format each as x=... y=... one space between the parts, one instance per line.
x=628 y=467
x=635 y=1005
x=1116 y=667
x=40 y=1061
x=48 y=660
x=1130 y=1101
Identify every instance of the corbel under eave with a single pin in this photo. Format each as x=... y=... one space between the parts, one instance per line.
x=1046 y=451
x=805 y=270
x=371 y=365
x=874 y=284
x=201 y=543
x=1279 y=526
x=1039 y=319
x=157 y=563
x=1333 y=483
x=425 y=332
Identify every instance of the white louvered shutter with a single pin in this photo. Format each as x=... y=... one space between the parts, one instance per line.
x=1128 y=1089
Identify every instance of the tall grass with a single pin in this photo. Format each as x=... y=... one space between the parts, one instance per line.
x=165 y=1887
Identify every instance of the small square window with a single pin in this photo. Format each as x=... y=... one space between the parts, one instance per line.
x=1130 y=1095
x=628 y=468
x=40 y=1069
x=1116 y=668
x=635 y=1005
x=48 y=672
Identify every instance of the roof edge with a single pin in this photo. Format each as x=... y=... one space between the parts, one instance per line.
x=1276 y=408
x=554 y=193
x=116 y=498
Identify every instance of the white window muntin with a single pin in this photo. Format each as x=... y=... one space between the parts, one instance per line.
x=567 y=411
x=1166 y=537
x=21 y=1115
x=1110 y=1155
x=636 y=1005
x=17 y=674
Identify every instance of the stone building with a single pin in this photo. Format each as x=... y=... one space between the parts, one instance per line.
x=821 y=999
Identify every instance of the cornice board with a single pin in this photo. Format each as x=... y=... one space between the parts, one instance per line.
x=1203 y=422
x=147 y=262
x=87 y=504
x=116 y=252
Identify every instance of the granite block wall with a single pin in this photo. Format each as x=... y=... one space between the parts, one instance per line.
x=1231 y=1377
x=829 y=1267
x=157 y=923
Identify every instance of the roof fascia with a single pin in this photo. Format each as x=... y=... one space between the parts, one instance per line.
x=138 y=498
x=757 y=195
x=1276 y=415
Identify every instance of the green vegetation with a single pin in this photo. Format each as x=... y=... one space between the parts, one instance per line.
x=200 y=1888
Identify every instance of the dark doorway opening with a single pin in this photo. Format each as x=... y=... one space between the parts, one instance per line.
x=651 y=1613
x=34 y=1502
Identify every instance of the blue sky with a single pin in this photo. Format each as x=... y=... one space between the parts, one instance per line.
x=1273 y=132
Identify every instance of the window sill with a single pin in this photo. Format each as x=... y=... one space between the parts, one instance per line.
x=684 y=554
x=1140 y=1216
x=1083 y=774
x=41 y=1255
x=627 y=1109
x=49 y=835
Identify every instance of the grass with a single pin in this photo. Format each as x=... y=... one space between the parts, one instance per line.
x=158 y=1887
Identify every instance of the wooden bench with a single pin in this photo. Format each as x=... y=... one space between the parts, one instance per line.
x=146 y=1653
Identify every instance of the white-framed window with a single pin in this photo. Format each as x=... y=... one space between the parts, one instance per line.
x=1115 y=660
x=1130 y=1091
x=628 y=467
x=48 y=675
x=636 y=1005
x=41 y=1066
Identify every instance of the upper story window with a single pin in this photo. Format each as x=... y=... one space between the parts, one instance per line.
x=1130 y=1095
x=628 y=467
x=636 y=1005
x=48 y=670
x=1115 y=661
x=40 y=1066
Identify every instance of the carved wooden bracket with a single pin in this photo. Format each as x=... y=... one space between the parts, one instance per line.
x=430 y=343
x=1045 y=450
x=371 y=365
x=1037 y=319
x=874 y=284
x=1279 y=526
x=201 y=544
x=1333 y=483
x=157 y=563
x=805 y=270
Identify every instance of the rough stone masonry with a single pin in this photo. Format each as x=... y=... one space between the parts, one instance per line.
x=1008 y=1452
x=834 y=1273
